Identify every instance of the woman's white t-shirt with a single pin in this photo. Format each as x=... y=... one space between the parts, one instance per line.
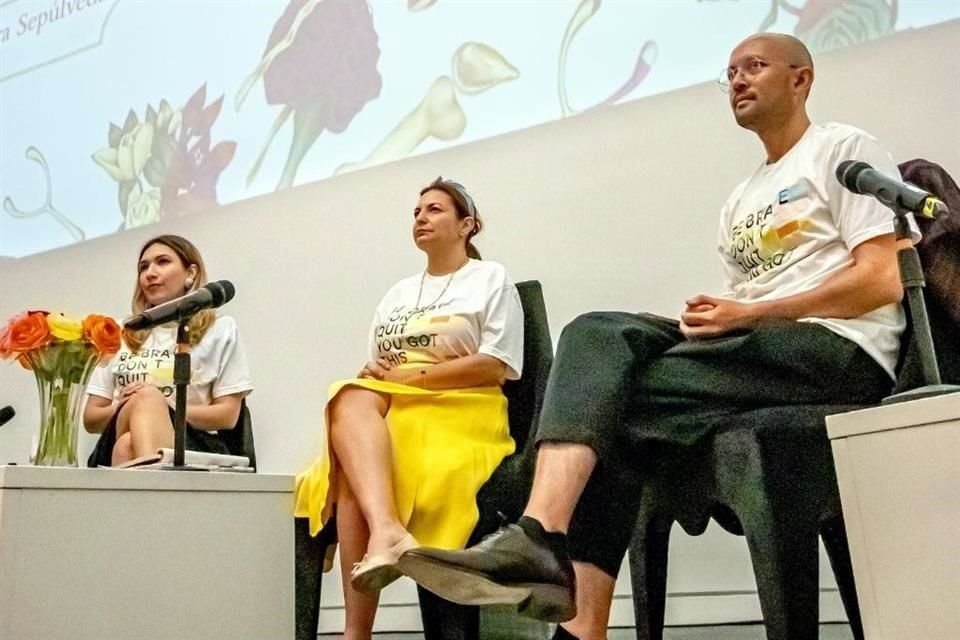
x=476 y=309
x=218 y=365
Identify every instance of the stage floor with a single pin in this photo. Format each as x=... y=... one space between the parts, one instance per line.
x=723 y=632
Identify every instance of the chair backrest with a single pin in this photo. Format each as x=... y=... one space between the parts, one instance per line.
x=506 y=491
x=525 y=396
x=239 y=440
x=940 y=255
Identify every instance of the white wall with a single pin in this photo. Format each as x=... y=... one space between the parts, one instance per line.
x=614 y=209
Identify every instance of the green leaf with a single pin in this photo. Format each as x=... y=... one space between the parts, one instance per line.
x=113 y=137
x=123 y=195
x=155 y=172
x=131 y=122
x=164 y=149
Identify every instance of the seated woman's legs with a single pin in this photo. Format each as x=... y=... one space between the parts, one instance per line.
x=122 y=450
x=143 y=425
x=353 y=534
x=359 y=437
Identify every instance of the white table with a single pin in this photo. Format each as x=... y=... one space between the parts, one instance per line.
x=898 y=468
x=101 y=554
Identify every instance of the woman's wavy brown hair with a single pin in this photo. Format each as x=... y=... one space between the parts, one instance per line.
x=464 y=206
x=189 y=256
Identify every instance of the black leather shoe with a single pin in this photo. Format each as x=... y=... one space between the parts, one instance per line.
x=506 y=567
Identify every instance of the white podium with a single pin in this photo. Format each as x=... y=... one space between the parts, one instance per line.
x=102 y=554
x=898 y=468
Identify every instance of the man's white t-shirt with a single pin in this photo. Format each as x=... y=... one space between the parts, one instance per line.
x=218 y=365
x=792 y=225
x=476 y=309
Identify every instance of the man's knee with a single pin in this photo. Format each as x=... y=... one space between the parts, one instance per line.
x=616 y=329
x=621 y=322
x=591 y=325
x=592 y=320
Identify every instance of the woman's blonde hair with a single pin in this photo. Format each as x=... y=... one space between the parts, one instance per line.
x=189 y=256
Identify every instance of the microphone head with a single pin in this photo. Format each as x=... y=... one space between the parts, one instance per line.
x=222 y=292
x=6 y=414
x=848 y=171
x=137 y=322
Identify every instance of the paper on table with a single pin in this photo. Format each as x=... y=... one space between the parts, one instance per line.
x=163 y=458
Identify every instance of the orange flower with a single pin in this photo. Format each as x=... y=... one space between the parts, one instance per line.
x=24 y=332
x=103 y=332
x=5 y=351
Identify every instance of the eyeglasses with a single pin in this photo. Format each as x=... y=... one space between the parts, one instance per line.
x=750 y=70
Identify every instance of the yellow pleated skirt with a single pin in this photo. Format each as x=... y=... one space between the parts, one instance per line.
x=446 y=445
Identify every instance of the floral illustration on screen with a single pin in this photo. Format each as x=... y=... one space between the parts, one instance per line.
x=646 y=58
x=164 y=164
x=824 y=25
x=419 y=5
x=830 y=25
x=474 y=68
x=47 y=208
x=320 y=63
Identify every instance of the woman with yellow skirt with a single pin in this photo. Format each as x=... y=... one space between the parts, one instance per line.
x=422 y=427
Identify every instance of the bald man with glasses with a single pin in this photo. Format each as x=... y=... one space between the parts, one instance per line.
x=810 y=314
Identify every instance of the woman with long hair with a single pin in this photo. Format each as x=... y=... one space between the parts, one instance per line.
x=130 y=399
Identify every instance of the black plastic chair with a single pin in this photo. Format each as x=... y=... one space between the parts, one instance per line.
x=503 y=496
x=239 y=440
x=768 y=475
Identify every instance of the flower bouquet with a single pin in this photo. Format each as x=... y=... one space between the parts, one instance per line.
x=62 y=353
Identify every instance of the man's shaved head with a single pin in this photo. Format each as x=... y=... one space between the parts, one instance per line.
x=770 y=79
x=792 y=49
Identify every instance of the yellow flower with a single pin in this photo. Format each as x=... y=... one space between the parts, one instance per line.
x=65 y=328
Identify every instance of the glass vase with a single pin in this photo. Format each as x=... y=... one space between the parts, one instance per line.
x=61 y=371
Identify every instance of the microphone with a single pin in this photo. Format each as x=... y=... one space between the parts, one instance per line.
x=6 y=415
x=209 y=296
x=860 y=177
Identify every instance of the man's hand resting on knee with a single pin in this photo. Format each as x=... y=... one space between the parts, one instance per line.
x=707 y=316
x=870 y=281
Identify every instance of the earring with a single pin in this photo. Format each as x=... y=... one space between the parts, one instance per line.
x=188 y=283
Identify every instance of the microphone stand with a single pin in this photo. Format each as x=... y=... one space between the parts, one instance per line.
x=911 y=275
x=181 y=378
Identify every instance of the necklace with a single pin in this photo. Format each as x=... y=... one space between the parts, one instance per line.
x=446 y=286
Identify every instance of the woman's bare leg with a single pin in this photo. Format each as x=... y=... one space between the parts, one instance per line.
x=122 y=450
x=359 y=437
x=146 y=416
x=352 y=532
